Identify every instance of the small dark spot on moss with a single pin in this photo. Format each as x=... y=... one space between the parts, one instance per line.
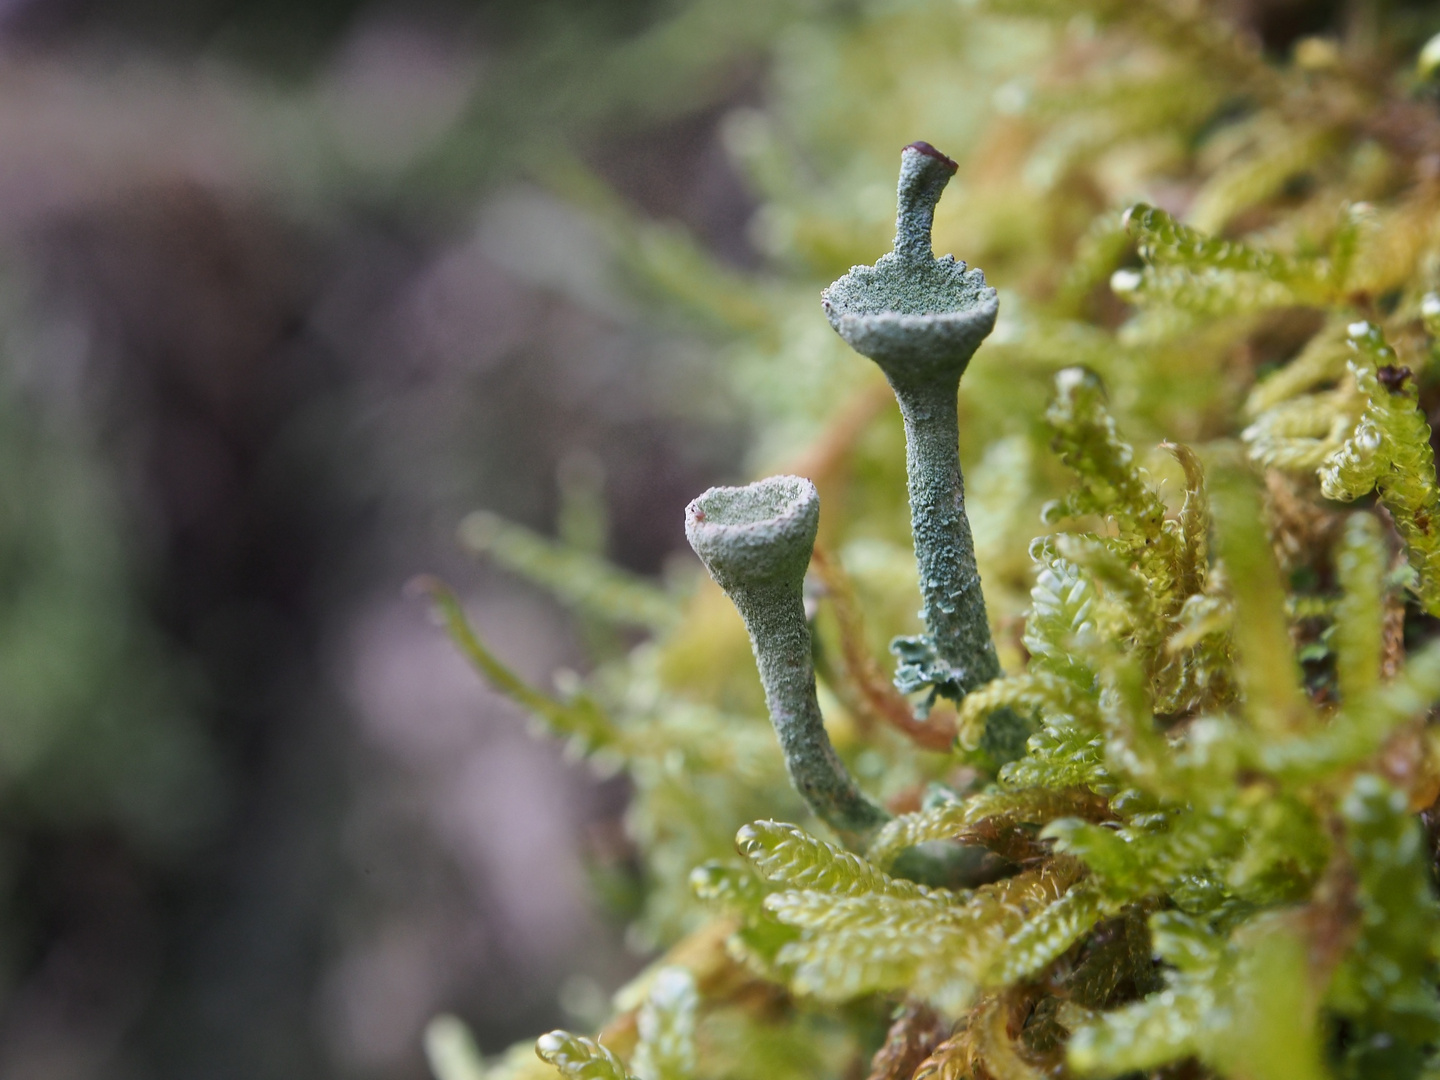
x=1393 y=377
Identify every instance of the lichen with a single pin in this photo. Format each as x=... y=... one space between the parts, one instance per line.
x=756 y=541
x=921 y=319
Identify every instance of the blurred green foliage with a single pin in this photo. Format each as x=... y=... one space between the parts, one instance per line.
x=1218 y=269
x=101 y=725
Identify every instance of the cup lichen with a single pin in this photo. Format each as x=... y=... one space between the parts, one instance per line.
x=921 y=319
x=756 y=542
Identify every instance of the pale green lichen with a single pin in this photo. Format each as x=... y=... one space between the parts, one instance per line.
x=921 y=319
x=756 y=542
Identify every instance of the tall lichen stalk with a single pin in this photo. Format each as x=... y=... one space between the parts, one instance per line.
x=921 y=319
x=1201 y=495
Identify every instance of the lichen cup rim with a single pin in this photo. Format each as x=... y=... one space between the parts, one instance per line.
x=917 y=345
x=756 y=533
x=920 y=318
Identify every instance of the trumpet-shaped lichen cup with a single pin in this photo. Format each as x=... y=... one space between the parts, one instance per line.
x=920 y=318
x=756 y=542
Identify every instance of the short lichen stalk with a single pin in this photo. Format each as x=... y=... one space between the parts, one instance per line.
x=756 y=541
x=921 y=319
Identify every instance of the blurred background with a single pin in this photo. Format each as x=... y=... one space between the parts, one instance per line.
x=288 y=288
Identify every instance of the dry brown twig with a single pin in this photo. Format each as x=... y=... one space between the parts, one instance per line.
x=873 y=690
